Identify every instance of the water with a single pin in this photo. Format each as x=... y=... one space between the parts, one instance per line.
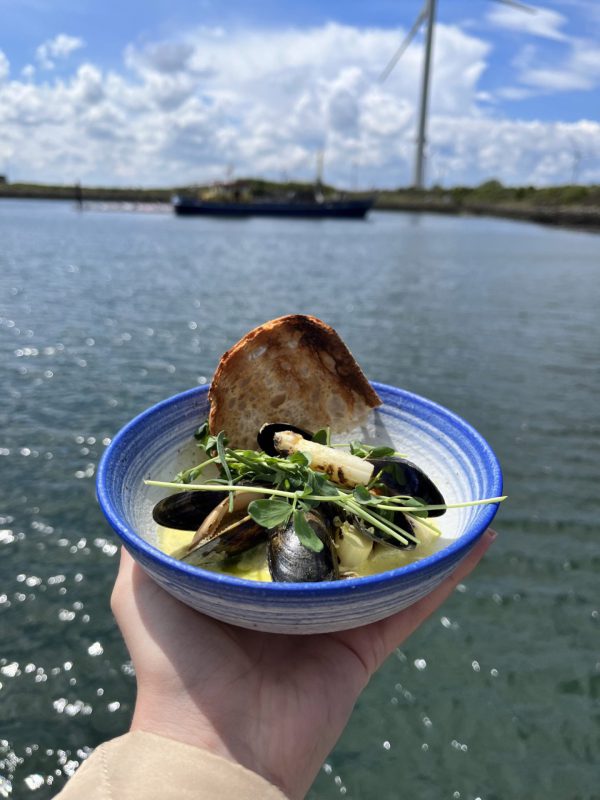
x=101 y=315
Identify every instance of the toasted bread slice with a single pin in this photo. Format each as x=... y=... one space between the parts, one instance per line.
x=292 y=369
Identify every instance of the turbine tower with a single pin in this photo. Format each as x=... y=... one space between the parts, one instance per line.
x=427 y=16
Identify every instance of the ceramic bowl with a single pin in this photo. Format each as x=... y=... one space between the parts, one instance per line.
x=159 y=442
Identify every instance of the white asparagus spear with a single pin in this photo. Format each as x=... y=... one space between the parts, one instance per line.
x=342 y=468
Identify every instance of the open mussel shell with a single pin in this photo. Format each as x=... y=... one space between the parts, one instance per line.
x=291 y=562
x=225 y=532
x=403 y=477
x=185 y=510
x=268 y=431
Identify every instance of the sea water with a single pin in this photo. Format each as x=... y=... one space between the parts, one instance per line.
x=497 y=696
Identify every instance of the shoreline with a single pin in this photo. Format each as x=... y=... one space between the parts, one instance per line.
x=456 y=202
x=577 y=217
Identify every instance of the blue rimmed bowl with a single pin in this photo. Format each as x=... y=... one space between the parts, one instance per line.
x=159 y=442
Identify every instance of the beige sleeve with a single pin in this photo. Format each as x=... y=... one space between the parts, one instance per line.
x=143 y=766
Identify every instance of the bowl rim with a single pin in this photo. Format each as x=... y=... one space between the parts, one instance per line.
x=427 y=565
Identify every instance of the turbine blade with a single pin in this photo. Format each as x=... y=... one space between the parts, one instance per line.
x=515 y=4
x=407 y=40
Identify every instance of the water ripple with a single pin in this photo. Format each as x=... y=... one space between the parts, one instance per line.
x=103 y=315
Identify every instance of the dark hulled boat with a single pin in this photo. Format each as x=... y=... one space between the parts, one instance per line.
x=273 y=207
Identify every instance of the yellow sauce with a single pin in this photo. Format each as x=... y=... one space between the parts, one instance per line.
x=253 y=565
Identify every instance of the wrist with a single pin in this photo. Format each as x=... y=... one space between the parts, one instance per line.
x=183 y=721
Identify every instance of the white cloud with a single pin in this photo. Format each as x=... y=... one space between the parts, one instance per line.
x=60 y=47
x=544 y=23
x=573 y=66
x=517 y=152
x=167 y=57
x=578 y=70
x=266 y=101
x=88 y=87
x=557 y=80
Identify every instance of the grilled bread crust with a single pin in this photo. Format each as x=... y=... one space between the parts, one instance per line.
x=292 y=369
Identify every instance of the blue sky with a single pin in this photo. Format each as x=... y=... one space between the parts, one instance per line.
x=160 y=92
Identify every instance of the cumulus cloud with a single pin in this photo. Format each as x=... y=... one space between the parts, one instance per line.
x=266 y=101
x=518 y=152
x=166 y=57
x=53 y=49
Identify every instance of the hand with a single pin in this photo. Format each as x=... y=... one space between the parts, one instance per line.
x=274 y=703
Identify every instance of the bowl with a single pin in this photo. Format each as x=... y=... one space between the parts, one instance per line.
x=159 y=442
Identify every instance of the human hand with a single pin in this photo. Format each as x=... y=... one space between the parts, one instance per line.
x=275 y=704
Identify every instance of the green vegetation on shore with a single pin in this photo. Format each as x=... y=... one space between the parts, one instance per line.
x=573 y=204
x=254 y=186
x=494 y=193
x=41 y=191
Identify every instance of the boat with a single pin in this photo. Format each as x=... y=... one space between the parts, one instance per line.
x=346 y=209
x=231 y=201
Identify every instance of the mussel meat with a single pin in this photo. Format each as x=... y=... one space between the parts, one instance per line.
x=268 y=431
x=225 y=533
x=185 y=510
x=403 y=477
x=291 y=562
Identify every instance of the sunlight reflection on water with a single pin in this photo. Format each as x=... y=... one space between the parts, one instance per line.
x=103 y=315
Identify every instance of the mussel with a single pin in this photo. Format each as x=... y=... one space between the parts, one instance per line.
x=226 y=532
x=403 y=477
x=223 y=532
x=268 y=431
x=185 y=510
x=291 y=562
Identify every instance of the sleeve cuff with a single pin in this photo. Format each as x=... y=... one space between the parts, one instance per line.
x=144 y=765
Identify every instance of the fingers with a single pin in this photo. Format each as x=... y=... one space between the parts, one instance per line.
x=125 y=566
x=394 y=630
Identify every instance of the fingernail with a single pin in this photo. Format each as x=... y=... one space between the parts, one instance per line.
x=491 y=534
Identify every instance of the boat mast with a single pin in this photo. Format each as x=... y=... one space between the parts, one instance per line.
x=320 y=157
x=319 y=181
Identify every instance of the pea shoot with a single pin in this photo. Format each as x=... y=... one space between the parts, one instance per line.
x=290 y=487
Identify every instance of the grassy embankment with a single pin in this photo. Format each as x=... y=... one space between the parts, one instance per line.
x=35 y=191
x=572 y=205
x=39 y=191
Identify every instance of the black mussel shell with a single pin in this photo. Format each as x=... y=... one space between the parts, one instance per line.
x=240 y=536
x=404 y=477
x=185 y=510
x=268 y=431
x=226 y=533
x=291 y=562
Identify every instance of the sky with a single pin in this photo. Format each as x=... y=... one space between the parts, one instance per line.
x=161 y=93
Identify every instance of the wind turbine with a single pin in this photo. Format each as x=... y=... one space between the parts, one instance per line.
x=427 y=16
